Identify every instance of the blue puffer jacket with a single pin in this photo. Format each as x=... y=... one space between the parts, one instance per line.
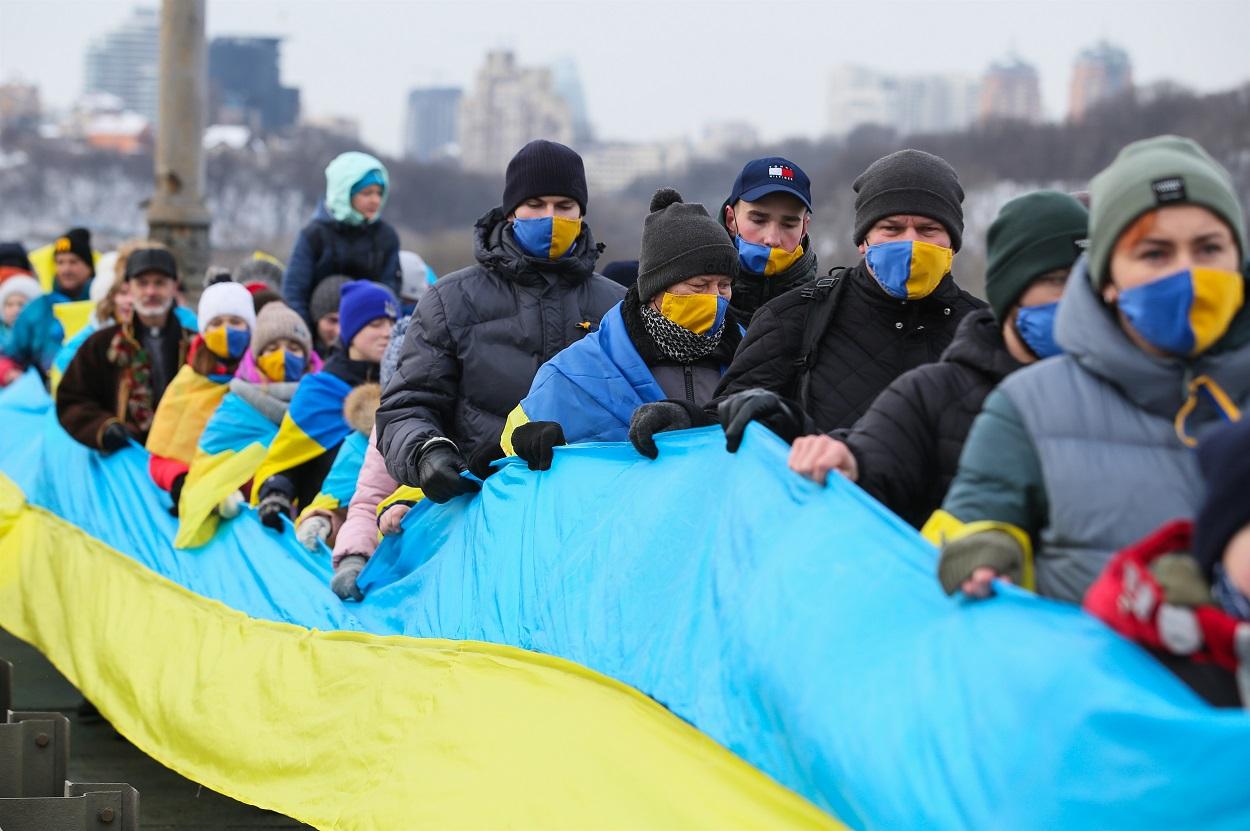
x=37 y=333
x=327 y=246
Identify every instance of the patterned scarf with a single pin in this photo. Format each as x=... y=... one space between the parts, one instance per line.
x=135 y=380
x=676 y=342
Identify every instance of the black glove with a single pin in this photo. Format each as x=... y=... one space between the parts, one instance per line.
x=438 y=470
x=272 y=507
x=275 y=497
x=660 y=417
x=479 y=461
x=175 y=492
x=536 y=441
x=114 y=438
x=768 y=408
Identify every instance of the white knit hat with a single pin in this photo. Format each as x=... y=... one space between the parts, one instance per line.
x=105 y=274
x=226 y=299
x=20 y=284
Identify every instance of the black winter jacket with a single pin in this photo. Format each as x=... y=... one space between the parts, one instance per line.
x=908 y=443
x=481 y=334
x=872 y=339
x=326 y=247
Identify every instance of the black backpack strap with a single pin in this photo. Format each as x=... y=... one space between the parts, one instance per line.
x=822 y=296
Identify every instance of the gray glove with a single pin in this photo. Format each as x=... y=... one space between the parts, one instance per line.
x=993 y=549
x=313 y=531
x=660 y=417
x=343 y=583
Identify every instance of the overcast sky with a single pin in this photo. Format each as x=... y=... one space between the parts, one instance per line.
x=658 y=69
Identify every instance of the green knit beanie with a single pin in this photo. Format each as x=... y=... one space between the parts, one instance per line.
x=1032 y=234
x=1156 y=173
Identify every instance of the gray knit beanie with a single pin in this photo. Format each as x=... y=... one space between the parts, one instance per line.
x=1156 y=173
x=909 y=182
x=680 y=241
x=278 y=320
x=325 y=297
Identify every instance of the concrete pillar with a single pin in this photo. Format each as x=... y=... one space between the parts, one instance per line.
x=176 y=214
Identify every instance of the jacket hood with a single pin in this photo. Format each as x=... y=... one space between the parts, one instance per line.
x=361 y=407
x=1090 y=334
x=341 y=174
x=978 y=343
x=495 y=249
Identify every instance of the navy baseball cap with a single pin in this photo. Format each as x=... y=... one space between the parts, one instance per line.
x=773 y=174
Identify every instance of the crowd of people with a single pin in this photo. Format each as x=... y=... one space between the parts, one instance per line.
x=1078 y=435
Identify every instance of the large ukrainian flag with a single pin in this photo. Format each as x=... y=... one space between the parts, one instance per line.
x=340 y=483
x=231 y=447
x=313 y=424
x=609 y=644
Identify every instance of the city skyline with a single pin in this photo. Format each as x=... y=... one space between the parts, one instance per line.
x=628 y=94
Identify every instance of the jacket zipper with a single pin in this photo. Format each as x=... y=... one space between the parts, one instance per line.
x=690 y=384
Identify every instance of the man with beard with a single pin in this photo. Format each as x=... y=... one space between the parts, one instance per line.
x=111 y=388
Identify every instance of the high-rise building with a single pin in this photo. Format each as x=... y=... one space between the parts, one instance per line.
x=1100 y=72
x=19 y=106
x=245 y=87
x=908 y=104
x=432 y=127
x=568 y=85
x=612 y=167
x=124 y=62
x=936 y=103
x=1010 y=90
x=509 y=106
x=858 y=96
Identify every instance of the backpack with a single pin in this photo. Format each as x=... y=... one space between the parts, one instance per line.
x=822 y=296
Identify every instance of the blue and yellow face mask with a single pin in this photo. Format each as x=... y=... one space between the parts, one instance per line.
x=1184 y=313
x=227 y=342
x=281 y=365
x=702 y=314
x=761 y=259
x=546 y=237
x=909 y=269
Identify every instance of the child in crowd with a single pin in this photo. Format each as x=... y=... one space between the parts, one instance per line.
x=226 y=320
x=1184 y=591
x=314 y=427
x=237 y=437
x=15 y=292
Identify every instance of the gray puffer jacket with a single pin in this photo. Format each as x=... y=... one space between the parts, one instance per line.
x=479 y=336
x=1083 y=452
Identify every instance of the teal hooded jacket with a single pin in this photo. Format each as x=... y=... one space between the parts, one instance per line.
x=338 y=240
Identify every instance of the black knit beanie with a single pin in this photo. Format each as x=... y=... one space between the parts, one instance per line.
x=76 y=241
x=1032 y=234
x=909 y=182
x=13 y=255
x=1224 y=460
x=680 y=241
x=544 y=168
